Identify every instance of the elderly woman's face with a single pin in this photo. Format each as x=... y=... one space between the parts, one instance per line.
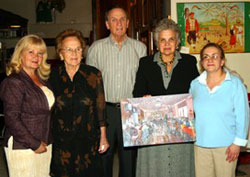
x=71 y=51
x=167 y=42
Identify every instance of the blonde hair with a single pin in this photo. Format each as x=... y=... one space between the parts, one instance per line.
x=15 y=64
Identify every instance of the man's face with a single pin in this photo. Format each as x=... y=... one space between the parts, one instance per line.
x=117 y=22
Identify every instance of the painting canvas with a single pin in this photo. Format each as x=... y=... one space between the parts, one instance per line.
x=224 y=23
x=157 y=120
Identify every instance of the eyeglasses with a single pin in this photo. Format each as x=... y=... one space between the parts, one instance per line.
x=214 y=57
x=71 y=51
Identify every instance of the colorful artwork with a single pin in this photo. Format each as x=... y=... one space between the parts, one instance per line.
x=224 y=23
x=157 y=120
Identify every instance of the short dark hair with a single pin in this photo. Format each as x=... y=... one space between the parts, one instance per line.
x=114 y=7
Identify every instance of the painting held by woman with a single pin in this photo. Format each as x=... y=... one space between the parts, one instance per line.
x=166 y=72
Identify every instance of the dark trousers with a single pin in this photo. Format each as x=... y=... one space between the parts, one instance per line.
x=127 y=156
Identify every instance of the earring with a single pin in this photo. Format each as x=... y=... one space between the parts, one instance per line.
x=61 y=57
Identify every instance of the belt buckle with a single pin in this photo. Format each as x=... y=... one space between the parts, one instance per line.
x=118 y=105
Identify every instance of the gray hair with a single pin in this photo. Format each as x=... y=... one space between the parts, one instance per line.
x=112 y=8
x=167 y=24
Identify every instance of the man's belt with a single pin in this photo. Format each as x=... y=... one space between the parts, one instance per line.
x=116 y=105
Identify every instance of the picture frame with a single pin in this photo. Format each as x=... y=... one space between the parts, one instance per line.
x=45 y=12
x=157 y=120
x=225 y=23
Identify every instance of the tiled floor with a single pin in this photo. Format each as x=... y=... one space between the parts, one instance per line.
x=3 y=170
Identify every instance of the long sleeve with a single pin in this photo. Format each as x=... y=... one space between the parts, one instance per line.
x=241 y=110
x=12 y=94
x=100 y=100
x=140 y=87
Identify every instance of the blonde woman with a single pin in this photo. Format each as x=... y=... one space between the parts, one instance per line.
x=27 y=102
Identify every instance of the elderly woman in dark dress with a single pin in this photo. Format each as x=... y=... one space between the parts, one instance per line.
x=79 y=125
x=166 y=72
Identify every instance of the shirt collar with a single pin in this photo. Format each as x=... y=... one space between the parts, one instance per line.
x=111 y=41
x=202 y=78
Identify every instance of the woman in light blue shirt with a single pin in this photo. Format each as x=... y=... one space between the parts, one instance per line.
x=221 y=115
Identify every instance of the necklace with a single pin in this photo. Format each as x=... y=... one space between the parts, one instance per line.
x=166 y=63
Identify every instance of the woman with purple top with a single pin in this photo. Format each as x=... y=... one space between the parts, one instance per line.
x=27 y=102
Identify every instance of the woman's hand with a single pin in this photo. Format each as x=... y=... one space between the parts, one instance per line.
x=42 y=148
x=232 y=152
x=104 y=145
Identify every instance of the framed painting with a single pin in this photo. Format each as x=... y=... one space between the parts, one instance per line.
x=157 y=120
x=225 y=23
x=46 y=10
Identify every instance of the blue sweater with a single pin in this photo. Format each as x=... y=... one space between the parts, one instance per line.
x=221 y=114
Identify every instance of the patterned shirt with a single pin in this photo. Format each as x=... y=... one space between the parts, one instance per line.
x=118 y=65
x=78 y=114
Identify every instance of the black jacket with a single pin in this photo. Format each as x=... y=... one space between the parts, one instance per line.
x=149 y=77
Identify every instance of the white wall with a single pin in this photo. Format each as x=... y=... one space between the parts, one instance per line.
x=239 y=62
x=77 y=14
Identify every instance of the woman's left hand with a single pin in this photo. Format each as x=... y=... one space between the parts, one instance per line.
x=104 y=145
x=232 y=152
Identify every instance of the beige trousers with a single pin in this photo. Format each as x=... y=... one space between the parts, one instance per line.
x=26 y=163
x=211 y=162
